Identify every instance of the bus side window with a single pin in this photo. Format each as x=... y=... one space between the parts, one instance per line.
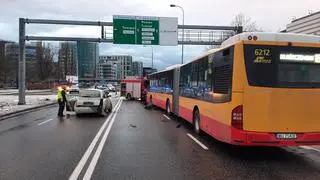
x=222 y=78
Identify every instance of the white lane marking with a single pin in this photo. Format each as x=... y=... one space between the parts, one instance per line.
x=166 y=116
x=310 y=148
x=197 y=141
x=44 y=122
x=82 y=162
x=97 y=154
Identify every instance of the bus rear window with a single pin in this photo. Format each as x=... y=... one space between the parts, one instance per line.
x=282 y=66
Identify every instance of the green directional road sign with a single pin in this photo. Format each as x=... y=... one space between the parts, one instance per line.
x=124 y=31
x=143 y=30
x=147 y=32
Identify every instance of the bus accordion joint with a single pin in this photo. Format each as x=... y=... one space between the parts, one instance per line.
x=237 y=117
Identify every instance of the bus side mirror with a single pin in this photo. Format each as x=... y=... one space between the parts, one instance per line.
x=146 y=83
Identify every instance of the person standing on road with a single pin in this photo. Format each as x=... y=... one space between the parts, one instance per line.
x=61 y=97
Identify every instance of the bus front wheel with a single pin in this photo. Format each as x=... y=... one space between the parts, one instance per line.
x=150 y=102
x=128 y=96
x=196 y=121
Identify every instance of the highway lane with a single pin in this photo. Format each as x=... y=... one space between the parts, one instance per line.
x=135 y=143
x=146 y=144
x=39 y=145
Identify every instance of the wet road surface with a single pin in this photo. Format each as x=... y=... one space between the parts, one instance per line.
x=136 y=143
x=144 y=144
x=39 y=145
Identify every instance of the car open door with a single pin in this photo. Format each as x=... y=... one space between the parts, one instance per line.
x=72 y=97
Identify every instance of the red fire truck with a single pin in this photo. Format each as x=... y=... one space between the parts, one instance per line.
x=134 y=87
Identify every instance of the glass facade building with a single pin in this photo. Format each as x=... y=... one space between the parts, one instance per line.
x=88 y=58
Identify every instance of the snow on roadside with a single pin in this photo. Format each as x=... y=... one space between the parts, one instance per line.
x=9 y=103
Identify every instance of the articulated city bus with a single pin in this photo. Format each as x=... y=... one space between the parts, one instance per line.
x=258 y=89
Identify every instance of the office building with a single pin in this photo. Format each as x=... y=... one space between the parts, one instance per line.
x=137 y=68
x=12 y=58
x=107 y=68
x=68 y=59
x=125 y=67
x=309 y=24
x=88 y=57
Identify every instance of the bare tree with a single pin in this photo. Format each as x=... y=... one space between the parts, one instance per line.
x=3 y=69
x=240 y=20
x=247 y=24
x=8 y=69
x=12 y=68
x=45 y=61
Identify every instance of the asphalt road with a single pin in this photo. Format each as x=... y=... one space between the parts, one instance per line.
x=135 y=143
x=39 y=145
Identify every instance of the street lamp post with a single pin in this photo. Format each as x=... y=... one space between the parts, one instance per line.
x=173 y=5
x=151 y=56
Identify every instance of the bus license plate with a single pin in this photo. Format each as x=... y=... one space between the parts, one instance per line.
x=286 y=136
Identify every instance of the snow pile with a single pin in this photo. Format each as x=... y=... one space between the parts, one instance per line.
x=9 y=103
x=16 y=91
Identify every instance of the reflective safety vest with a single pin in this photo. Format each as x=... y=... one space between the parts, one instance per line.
x=59 y=95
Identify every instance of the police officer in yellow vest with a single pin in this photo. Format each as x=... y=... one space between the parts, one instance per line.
x=61 y=97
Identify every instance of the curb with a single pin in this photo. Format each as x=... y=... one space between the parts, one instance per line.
x=23 y=111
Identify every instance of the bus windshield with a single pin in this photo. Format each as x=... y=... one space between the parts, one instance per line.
x=282 y=66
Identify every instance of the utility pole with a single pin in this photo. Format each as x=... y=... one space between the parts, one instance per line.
x=152 y=58
x=22 y=62
x=182 y=45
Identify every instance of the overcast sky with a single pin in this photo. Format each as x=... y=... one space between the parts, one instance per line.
x=270 y=15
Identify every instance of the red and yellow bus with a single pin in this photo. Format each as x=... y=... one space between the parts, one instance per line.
x=258 y=89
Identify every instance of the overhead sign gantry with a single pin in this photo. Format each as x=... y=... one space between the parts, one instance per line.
x=146 y=30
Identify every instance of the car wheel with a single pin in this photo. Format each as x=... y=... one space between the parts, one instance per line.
x=110 y=108
x=106 y=110
x=99 y=114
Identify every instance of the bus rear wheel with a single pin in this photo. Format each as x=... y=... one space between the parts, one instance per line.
x=168 y=109
x=196 y=121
